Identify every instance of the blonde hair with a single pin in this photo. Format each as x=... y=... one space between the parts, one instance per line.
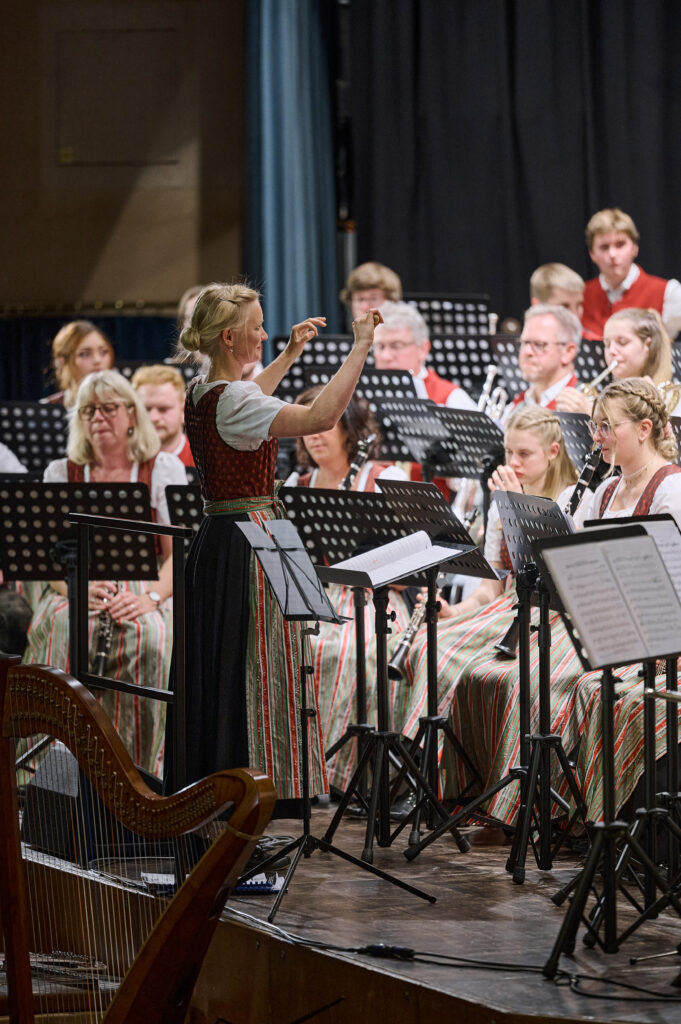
x=143 y=442
x=64 y=347
x=372 y=275
x=610 y=219
x=647 y=325
x=545 y=424
x=640 y=400
x=157 y=375
x=550 y=276
x=187 y=295
x=217 y=307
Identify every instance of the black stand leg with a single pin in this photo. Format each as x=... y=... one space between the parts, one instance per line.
x=306 y=844
x=537 y=795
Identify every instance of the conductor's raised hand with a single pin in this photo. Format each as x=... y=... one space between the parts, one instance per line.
x=363 y=327
x=303 y=332
x=504 y=479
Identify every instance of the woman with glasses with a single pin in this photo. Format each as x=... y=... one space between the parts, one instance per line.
x=112 y=439
x=79 y=348
x=630 y=420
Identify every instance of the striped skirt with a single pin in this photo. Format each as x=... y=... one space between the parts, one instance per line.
x=335 y=665
x=479 y=693
x=140 y=653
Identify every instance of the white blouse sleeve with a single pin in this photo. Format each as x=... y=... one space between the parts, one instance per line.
x=668 y=497
x=493 y=535
x=244 y=415
x=9 y=463
x=167 y=470
x=56 y=472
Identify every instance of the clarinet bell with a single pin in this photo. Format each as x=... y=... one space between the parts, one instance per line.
x=508 y=645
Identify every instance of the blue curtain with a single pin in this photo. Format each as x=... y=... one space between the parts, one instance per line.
x=290 y=233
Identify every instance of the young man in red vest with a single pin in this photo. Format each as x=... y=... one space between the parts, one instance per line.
x=549 y=345
x=612 y=240
x=401 y=343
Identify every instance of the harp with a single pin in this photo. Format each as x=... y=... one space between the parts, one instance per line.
x=86 y=944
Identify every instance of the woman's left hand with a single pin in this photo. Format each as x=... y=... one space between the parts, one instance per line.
x=126 y=605
x=504 y=479
x=303 y=332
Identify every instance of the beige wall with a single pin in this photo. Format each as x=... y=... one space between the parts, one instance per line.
x=122 y=149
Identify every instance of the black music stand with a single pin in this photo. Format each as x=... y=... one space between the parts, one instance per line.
x=526 y=518
x=637 y=630
x=327 y=350
x=301 y=598
x=505 y=348
x=590 y=360
x=185 y=505
x=459 y=333
x=40 y=542
x=578 y=440
x=431 y=512
x=337 y=523
x=34 y=431
x=414 y=423
x=375 y=386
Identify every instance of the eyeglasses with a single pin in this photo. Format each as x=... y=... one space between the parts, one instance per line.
x=538 y=347
x=107 y=409
x=392 y=346
x=605 y=428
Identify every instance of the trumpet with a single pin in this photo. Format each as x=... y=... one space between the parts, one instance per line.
x=670 y=391
x=591 y=389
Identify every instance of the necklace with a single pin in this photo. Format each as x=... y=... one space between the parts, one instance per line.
x=626 y=480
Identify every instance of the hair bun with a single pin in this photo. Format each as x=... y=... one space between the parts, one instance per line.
x=190 y=338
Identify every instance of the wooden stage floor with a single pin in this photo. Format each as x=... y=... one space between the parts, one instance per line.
x=255 y=974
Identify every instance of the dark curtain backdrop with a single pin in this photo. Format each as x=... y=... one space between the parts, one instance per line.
x=486 y=132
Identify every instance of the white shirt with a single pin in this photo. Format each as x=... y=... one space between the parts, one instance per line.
x=671 y=304
x=167 y=470
x=544 y=398
x=244 y=414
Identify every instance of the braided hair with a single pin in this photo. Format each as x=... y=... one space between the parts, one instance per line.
x=640 y=400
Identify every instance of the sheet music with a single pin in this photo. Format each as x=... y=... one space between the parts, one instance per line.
x=387 y=553
x=619 y=597
x=668 y=540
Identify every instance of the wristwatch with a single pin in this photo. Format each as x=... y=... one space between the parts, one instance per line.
x=155 y=597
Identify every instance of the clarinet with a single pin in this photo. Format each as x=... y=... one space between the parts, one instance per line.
x=104 y=641
x=396 y=663
x=361 y=456
x=585 y=477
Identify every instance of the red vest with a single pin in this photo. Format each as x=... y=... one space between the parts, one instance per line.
x=185 y=453
x=226 y=473
x=647 y=292
x=644 y=503
x=437 y=388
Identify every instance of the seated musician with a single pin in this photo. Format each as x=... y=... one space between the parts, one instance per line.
x=548 y=346
x=402 y=343
x=536 y=463
x=631 y=421
x=79 y=348
x=368 y=286
x=612 y=240
x=162 y=390
x=554 y=284
x=111 y=438
x=636 y=344
x=327 y=457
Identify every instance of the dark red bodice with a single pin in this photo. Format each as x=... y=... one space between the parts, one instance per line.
x=224 y=472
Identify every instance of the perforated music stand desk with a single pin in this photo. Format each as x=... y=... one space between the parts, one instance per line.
x=336 y=524
x=301 y=598
x=415 y=424
x=578 y=440
x=505 y=348
x=376 y=387
x=34 y=431
x=185 y=505
x=328 y=350
x=609 y=831
x=458 y=328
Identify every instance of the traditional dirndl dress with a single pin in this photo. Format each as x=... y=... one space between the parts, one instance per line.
x=243 y=658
